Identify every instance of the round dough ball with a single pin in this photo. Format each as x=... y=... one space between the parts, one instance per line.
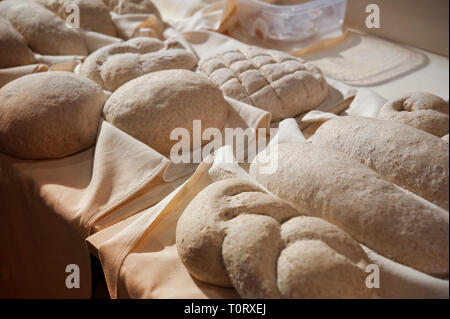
x=94 y=15
x=14 y=50
x=49 y=115
x=45 y=32
x=151 y=106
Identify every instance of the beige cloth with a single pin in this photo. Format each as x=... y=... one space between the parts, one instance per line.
x=50 y=207
x=141 y=261
x=85 y=192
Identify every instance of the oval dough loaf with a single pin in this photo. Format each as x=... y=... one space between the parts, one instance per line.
x=273 y=81
x=422 y=110
x=116 y=64
x=235 y=234
x=45 y=32
x=14 y=49
x=49 y=115
x=94 y=15
x=151 y=106
x=391 y=221
x=410 y=158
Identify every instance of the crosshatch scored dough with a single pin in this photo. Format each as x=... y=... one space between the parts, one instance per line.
x=274 y=81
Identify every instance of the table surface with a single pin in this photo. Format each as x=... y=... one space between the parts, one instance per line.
x=433 y=78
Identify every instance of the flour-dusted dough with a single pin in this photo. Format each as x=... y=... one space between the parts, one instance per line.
x=132 y=6
x=391 y=221
x=45 y=32
x=14 y=49
x=118 y=63
x=151 y=106
x=273 y=81
x=49 y=115
x=235 y=234
x=94 y=15
x=408 y=157
x=422 y=110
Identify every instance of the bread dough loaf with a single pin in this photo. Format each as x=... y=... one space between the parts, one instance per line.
x=45 y=32
x=389 y=220
x=410 y=158
x=273 y=81
x=118 y=63
x=151 y=106
x=422 y=110
x=94 y=15
x=14 y=49
x=49 y=115
x=132 y=6
x=233 y=234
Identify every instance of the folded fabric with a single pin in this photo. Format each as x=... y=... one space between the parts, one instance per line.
x=59 y=201
x=141 y=261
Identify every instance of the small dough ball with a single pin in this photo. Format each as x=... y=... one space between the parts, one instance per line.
x=49 y=115
x=15 y=49
x=151 y=106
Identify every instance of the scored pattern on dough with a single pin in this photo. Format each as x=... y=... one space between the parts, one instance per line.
x=256 y=76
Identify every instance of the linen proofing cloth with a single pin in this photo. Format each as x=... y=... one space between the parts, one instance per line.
x=49 y=207
x=57 y=203
x=141 y=261
x=94 y=193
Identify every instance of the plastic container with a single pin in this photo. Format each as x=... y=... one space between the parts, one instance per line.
x=269 y=22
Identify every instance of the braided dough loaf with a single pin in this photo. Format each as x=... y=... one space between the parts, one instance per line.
x=410 y=158
x=391 y=221
x=235 y=234
x=94 y=15
x=45 y=32
x=118 y=63
x=49 y=115
x=422 y=110
x=273 y=81
x=151 y=106
x=14 y=50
